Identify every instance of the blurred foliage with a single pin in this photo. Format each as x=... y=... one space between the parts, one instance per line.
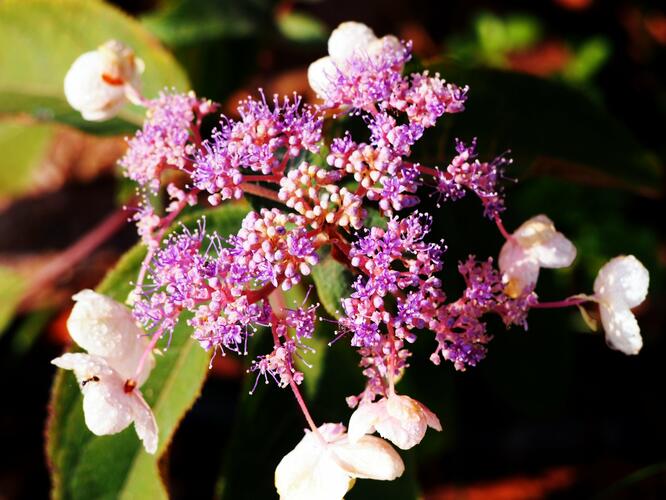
x=51 y=35
x=25 y=145
x=493 y=40
x=12 y=286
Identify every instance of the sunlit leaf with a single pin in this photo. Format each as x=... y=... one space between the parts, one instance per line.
x=40 y=39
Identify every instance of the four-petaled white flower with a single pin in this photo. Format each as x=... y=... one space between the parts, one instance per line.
x=533 y=245
x=620 y=285
x=100 y=82
x=111 y=396
x=325 y=464
x=349 y=39
x=400 y=419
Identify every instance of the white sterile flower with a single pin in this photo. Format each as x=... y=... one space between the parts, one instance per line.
x=105 y=329
x=325 y=465
x=348 y=40
x=100 y=82
x=533 y=245
x=622 y=283
x=400 y=419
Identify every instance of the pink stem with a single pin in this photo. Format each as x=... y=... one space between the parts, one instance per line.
x=303 y=406
x=561 y=303
x=261 y=178
x=260 y=191
x=149 y=348
x=428 y=171
x=71 y=256
x=502 y=229
x=293 y=384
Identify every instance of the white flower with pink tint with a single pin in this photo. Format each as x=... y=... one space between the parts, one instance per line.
x=99 y=82
x=325 y=464
x=349 y=40
x=400 y=419
x=535 y=244
x=107 y=373
x=622 y=283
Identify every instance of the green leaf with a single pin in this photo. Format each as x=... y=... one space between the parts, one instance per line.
x=187 y=22
x=23 y=146
x=551 y=128
x=87 y=466
x=332 y=281
x=40 y=39
x=301 y=28
x=12 y=286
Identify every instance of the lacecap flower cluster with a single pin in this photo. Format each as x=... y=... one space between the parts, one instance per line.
x=232 y=287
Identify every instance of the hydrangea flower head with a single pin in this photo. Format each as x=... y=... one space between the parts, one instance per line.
x=622 y=283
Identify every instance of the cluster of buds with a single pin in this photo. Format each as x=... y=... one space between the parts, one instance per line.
x=232 y=287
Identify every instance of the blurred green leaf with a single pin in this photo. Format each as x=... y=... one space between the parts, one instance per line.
x=588 y=60
x=23 y=147
x=12 y=286
x=552 y=130
x=40 y=39
x=187 y=22
x=87 y=466
x=333 y=281
x=301 y=28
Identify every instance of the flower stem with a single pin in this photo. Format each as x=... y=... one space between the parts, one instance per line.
x=149 y=348
x=571 y=301
x=260 y=191
x=71 y=256
x=502 y=229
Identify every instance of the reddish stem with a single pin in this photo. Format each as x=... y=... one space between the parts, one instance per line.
x=292 y=383
x=260 y=191
x=71 y=256
x=149 y=348
x=428 y=171
x=502 y=229
x=572 y=301
x=261 y=178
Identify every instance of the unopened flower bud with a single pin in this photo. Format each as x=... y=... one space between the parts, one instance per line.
x=100 y=82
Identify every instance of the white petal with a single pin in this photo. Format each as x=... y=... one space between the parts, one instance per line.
x=555 y=252
x=407 y=423
x=98 y=82
x=308 y=472
x=347 y=39
x=87 y=92
x=519 y=268
x=321 y=76
x=548 y=246
x=623 y=280
x=104 y=327
x=385 y=45
x=431 y=418
x=85 y=366
x=622 y=330
x=144 y=422
x=369 y=458
x=363 y=420
x=106 y=406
